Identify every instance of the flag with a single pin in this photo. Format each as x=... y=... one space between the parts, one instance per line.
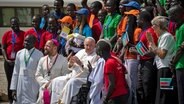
x=141 y=48
x=125 y=39
x=65 y=31
x=166 y=84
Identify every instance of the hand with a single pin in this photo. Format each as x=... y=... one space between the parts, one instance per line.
x=14 y=95
x=47 y=84
x=76 y=60
x=149 y=37
x=132 y=50
x=10 y=62
x=105 y=101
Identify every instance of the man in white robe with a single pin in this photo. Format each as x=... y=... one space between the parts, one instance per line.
x=96 y=78
x=24 y=85
x=49 y=67
x=79 y=62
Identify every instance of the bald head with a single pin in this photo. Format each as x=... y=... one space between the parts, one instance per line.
x=89 y=45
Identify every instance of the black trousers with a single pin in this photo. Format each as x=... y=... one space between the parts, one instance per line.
x=146 y=89
x=9 y=71
x=122 y=99
x=165 y=96
x=180 y=84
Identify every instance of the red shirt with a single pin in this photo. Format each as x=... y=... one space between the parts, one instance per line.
x=114 y=67
x=45 y=37
x=12 y=42
x=37 y=34
x=145 y=41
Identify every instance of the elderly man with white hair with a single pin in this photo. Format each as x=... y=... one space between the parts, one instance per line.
x=68 y=86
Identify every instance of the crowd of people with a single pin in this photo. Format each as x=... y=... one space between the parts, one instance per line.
x=126 y=51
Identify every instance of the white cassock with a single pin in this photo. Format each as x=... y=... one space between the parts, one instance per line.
x=23 y=79
x=96 y=78
x=74 y=84
x=45 y=74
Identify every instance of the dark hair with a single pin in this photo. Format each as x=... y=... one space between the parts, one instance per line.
x=16 y=18
x=32 y=37
x=72 y=5
x=146 y=16
x=104 y=45
x=98 y=4
x=62 y=2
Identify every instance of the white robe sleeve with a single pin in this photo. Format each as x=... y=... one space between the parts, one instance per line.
x=14 y=80
x=40 y=73
x=96 y=79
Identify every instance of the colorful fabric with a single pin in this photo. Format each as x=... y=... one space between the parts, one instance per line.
x=113 y=66
x=110 y=25
x=179 y=41
x=141 y=48
x=13 y=42
x=37 y=34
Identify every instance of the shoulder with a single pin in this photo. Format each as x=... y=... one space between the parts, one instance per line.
x=38 y=52
x=20 y=52
x=22 y=32
x=8 y=32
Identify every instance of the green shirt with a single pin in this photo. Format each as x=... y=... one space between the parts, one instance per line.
x=179 y=40
x=110 y=24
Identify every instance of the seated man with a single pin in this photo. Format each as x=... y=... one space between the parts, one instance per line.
x=49 y=67
x=78 y=66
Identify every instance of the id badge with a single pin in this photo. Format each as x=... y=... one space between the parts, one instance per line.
x=13 y=55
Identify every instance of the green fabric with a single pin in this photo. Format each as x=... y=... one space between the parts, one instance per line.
x=110 y=24
x=162 y=2
x=179 y=40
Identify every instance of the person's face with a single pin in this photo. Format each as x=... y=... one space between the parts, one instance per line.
x=70 y=11
x=89 y=46
x=28 y=42
x=35 y=22
x=101 y=16
x=94 y=9
x=156 y=28
x=14 y=25
x=52 y=25
x=122 y=9
x=45 y=10
x=49 y=47
x=99 y=52
x=78 y=19
x=57 y=5
x=139 y=21
x=110 y=6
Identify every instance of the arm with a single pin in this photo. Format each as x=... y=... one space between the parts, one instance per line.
x=110 y=87
x=15 y=77
x=39 y=75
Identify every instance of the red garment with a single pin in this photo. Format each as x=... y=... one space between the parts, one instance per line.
x=145 y=41
x=96 y=26
x=7 y=42
x=116 y=68
x=45 y=37
x=37 y=34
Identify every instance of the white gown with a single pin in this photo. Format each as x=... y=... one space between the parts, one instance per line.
x=96 y=78
x=74 y=84
x=23 y=79
x=60 y=68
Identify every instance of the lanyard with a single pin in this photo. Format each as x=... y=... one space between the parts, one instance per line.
x=13 y=38
x=48 y=69
x=26 y=60
x=38 y=34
